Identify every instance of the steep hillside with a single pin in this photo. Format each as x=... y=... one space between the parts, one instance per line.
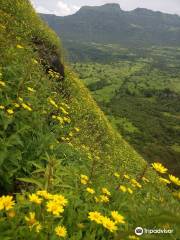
x=66 y=171
x=109 y=24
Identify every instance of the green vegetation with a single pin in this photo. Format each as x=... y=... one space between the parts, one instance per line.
x=141 y=97
x=60 y=159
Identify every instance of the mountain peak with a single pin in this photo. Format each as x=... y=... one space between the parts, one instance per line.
x=108 y=7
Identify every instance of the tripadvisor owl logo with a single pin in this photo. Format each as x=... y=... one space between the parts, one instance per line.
x=139 y=231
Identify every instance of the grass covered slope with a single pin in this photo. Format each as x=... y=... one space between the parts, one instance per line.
x=54 y=138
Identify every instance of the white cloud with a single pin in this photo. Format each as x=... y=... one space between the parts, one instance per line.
x=66 y=9
x=41 y=9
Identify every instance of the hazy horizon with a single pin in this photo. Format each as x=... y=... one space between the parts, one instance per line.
x=63 y=8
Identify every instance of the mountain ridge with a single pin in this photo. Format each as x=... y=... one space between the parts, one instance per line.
x=110 y=24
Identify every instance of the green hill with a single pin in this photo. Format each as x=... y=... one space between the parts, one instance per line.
x=109 y=24
x=56 y=144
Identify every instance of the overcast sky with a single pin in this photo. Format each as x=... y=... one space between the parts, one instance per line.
x=66 y=7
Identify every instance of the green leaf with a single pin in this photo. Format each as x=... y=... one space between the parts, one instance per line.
x=32 y=181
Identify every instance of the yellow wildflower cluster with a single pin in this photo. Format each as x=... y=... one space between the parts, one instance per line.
x=56 y=204
x=124 y=189
x=6 y=203
x=106 y=222
x=161 y=169
x=84 y=179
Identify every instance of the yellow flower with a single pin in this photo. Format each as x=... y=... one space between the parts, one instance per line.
x=117 y=217
x=20 y=99
x=2 y=107
x=35 y=199
x=38 y=227
x=159 y=167
x=25 y=106
x=77 y=129
x=164 y=180
x=6 y=202
x=70 y=134
x=117 y=175
x=135 y=183
x=109 y=224
x=3 y=84
x=19 y=46
x=130 y=190
x=95 y=216
x=67 y=120
x=64 y=111
x=122 y=188
x=52 y=102
x=31 y=89
x=126 y=176
x=60 y=199
x=84 y=179
x=10 y=111
x=44 y=194
x=61 y=231
x=60 y=119
x=104 y=198
x=90 y=190
x=16 y=105
x=55 y=208
x=106 y=191
x=31 y=220
x=174 y=180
